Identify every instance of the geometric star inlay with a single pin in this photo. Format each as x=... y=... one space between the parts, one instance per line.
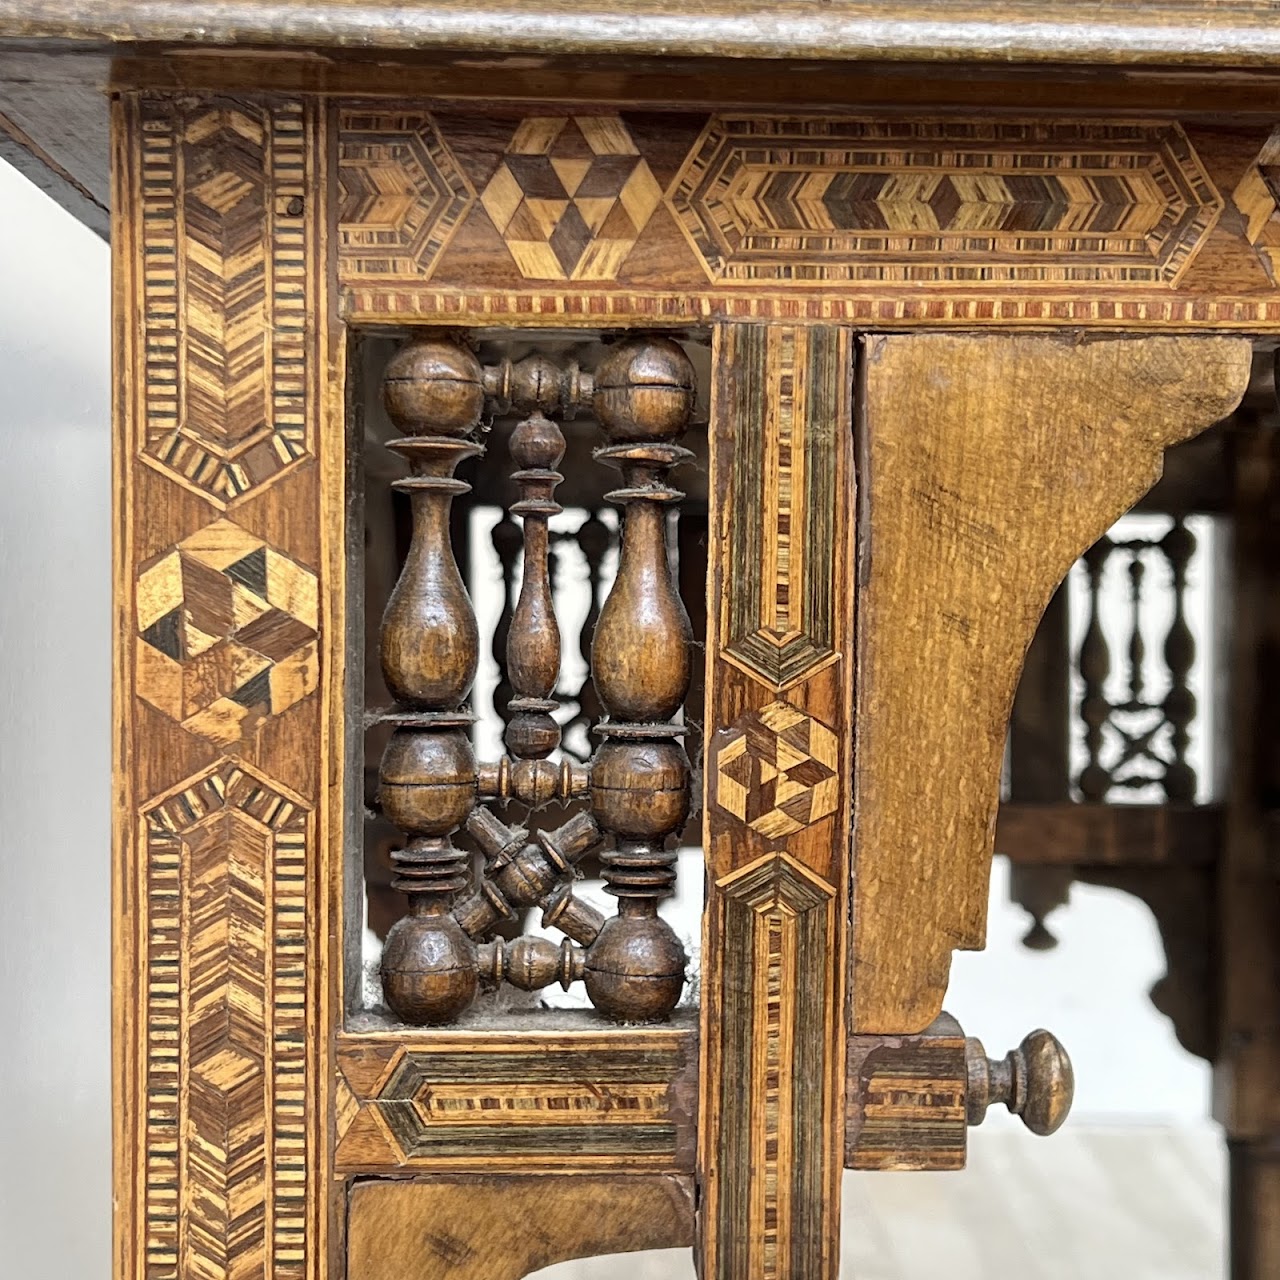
x=227 y=632
x=779 y=771
x=571 y=197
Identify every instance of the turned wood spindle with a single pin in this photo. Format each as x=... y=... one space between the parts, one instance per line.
x=433 y=394
x=521 y=873
x=642 y=663
x=533 y=642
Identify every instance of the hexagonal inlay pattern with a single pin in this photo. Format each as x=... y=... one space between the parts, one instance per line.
x=779 y=771
x=227 y=632
x=571 y=197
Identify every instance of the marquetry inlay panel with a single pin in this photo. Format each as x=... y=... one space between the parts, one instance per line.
x=225 y=942
x=677 y=217
x=401 y=193
x=778 y=613
x=778 y=923
x=1258 y=198
x=778 y=771
x=227 y=632
x=778 y=200
x=778 y=777
x=571 y=197
x=223 y=194
x=555 y=1102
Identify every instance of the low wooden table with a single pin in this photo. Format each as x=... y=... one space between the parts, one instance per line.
x=927 y=293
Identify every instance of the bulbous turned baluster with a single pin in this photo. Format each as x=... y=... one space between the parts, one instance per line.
x=1179 y=706
x=642 y=658
x=530 y=963
x=427 y=789
x=533 y=642
x=1095 y=667
x=430 y=645
x=506 y=539
x=537 y=382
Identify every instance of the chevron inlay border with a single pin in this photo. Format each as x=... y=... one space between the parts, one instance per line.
x=224 y=195
x=799 y=200
x=790 y=399
x=553 y=1101
x=777 y=921
x=401 y=193
x=225 y=941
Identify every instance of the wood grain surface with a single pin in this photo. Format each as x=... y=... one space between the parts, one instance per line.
x=1213 y=33
x=990 y=464
x=504 y=1228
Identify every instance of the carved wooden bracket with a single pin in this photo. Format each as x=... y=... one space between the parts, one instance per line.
x=990 y=464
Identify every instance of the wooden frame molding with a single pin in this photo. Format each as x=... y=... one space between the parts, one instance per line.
x=1222 y=33
x=989 y=465
x=548 y=1101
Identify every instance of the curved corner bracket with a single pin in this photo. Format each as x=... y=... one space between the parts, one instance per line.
x=990 y=463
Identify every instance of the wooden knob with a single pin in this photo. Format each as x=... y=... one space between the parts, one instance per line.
x=1034 y=1081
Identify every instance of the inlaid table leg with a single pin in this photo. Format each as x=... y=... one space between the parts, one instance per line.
x=229 y=456
x=778 y=762
x=1247 y=1070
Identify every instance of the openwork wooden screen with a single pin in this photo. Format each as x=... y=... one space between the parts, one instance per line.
x=634 y=794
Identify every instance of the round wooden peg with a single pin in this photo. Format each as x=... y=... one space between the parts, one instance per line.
x=1035 y=1081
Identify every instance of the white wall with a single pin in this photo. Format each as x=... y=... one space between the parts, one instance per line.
x=55 y=680
x=54 y=794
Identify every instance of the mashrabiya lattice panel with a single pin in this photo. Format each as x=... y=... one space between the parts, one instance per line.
x=792 y=200
x=225 y=188
x=225 y=943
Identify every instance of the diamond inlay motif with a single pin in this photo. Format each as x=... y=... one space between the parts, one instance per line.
x=793 y=200
x=1257 y=196
x=227 y=632
x=571 y=197
x=779 y=771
